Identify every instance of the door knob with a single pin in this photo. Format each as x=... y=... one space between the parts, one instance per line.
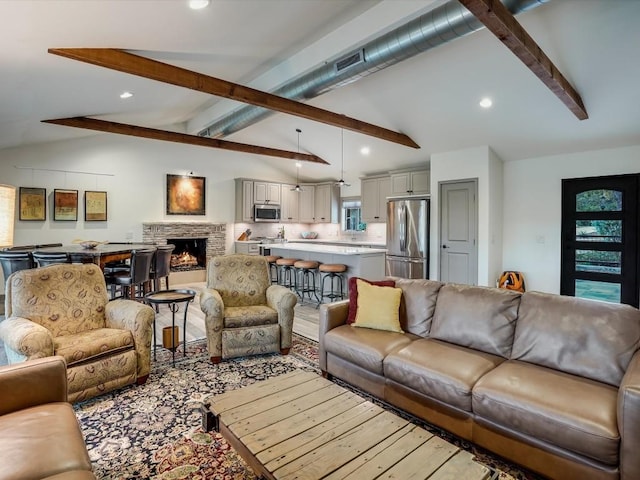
x=444 y=246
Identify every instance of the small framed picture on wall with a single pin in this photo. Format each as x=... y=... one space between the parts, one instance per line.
x=65 y=205
x=32 y=204
x=95 y=206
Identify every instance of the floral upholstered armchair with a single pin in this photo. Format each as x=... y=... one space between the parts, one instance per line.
x=245 y=314
x=64 y=310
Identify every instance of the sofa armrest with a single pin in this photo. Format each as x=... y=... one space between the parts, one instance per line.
x=138 y=318
x=629 y=420
x=283 y=301
x=213 y=307
x=25 y=340
x=332 y=315
x=31 y=383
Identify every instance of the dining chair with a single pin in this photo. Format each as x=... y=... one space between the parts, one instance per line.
x=14 y=261
x=44 y=259
x=137 y=275
x=161 y=266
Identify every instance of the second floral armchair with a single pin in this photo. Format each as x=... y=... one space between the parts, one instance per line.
x=245 y=314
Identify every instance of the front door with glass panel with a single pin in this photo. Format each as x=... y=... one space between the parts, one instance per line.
x=600 y=238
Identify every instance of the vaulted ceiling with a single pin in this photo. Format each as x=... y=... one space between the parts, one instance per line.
x=431 y=97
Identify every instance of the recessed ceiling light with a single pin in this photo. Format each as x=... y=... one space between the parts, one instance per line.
x=486 y=102
x=365 y=150
x=198 y=4
x=124 y=95
x=298 y=164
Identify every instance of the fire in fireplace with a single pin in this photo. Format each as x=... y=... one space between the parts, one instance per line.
x=189 y=254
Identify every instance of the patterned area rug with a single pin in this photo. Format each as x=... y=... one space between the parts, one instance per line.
x=153 y=431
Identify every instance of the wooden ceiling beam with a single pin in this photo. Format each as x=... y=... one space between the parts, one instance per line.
x=127 y=62
x=499 y=20
x=165 y=135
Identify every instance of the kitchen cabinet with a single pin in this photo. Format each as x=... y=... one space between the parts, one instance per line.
x=244 y=200
x=327 y=200
x=410 y=183
x=306 y=203
x=290 y=204
x=374 y=193
x=266 y=192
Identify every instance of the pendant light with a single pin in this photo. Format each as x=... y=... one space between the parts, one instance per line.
x=341 y=182
x=297 y=188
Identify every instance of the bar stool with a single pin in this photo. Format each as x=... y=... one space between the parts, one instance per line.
x=332 y=271
x=286 y=273
x=138 y=274
x=305 y=271
x=273 y=268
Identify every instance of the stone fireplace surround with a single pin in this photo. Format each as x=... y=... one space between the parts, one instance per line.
x=215 y=233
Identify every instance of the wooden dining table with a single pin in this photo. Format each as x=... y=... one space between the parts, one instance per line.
x=100 y=255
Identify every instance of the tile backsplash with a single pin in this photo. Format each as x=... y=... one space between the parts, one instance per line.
x=375 y=232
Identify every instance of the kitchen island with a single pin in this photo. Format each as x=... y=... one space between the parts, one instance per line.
x=362 y=262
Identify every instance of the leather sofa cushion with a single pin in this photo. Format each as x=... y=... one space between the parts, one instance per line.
x=570 y=412
x=42 y=441
x=418 y=304
x=440 y=370
x=249 y=316
x=364 y=347
x=592 y=339
x=90 y=344
x=476 y=317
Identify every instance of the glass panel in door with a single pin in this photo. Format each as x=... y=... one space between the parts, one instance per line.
x=600 y=238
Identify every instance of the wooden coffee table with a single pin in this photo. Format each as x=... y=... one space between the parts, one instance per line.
x=302 y=426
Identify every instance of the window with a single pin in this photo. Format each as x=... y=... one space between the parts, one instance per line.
x=351 y=215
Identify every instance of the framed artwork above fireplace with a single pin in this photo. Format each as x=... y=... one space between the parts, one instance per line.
x=186 y=195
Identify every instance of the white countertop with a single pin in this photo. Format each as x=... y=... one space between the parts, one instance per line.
x=333 y=249
x=339 y=242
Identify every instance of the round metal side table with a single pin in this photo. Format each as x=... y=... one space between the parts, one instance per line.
x=173 y=299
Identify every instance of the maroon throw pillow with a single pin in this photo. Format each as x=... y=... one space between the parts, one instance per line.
x=353 y=294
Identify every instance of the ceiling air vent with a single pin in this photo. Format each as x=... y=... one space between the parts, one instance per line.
x=350 y=60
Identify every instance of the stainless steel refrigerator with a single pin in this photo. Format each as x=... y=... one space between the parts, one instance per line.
x=408 y=237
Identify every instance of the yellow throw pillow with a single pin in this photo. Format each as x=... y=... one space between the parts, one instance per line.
x=378 y=307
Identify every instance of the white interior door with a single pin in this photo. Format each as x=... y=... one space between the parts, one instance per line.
x=458 y=232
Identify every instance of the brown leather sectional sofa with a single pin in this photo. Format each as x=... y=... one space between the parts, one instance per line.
x=549 y=382
x=39 y=433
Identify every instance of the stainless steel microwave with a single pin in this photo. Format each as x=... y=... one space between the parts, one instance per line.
x=266 y=212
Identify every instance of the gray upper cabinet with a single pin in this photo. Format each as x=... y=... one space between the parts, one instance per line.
x=410 y=183
x=327 y=203
x=374 y=193
x=315 y=203
x=266 y=192
x=244 y=200
x=306 y=203
x=290 y=203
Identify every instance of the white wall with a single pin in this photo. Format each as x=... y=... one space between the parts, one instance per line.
x=135 y=183
x=532 y=208
x=496 y=217
x=483 y=164
x=519 y=228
